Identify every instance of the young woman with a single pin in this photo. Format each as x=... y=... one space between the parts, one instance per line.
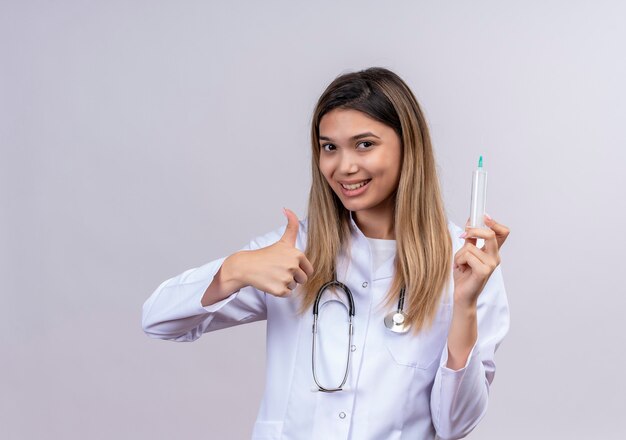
x=405 y=334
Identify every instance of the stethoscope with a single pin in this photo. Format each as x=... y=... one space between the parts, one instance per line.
x=395 y=321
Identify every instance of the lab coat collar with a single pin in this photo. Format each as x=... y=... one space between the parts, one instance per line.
x=355 y=228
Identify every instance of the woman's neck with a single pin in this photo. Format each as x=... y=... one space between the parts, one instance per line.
x=375 y=224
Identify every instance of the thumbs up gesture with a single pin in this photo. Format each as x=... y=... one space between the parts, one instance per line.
x=277 y=269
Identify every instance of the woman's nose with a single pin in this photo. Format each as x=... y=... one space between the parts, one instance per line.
x=348 y=164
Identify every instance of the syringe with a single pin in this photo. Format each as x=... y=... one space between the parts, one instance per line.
x=479 y=196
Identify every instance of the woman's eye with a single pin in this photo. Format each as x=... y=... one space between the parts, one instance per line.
x=365 y=143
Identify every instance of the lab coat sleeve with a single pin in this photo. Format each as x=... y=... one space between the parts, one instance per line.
x=174 y=310
x=459 y=398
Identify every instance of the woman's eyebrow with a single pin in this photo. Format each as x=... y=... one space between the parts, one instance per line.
x=353 y=138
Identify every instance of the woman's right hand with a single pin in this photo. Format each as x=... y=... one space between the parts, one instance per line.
x=276 y=269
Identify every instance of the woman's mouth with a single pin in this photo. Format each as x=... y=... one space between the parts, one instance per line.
x=356 y=189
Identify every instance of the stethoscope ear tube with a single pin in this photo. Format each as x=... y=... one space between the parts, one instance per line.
x=313 y=357
x=343 y=287
x=351 y=331
x=394 y=321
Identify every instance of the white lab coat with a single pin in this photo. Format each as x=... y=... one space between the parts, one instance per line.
x=398 y=386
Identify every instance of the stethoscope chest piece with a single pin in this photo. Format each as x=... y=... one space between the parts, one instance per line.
x=396 y=322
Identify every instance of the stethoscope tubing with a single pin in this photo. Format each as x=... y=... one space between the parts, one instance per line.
x=390 y=323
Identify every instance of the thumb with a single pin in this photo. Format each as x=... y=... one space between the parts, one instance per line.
x=291 y=232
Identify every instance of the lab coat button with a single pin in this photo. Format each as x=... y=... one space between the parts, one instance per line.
x=342 y=415
x=364 y=284
x=353 y=348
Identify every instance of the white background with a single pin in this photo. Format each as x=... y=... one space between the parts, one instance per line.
x=142 y=138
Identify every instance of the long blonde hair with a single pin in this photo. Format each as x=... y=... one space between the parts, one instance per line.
x=423 y=243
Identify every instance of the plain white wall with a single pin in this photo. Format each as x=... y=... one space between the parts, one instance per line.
x=139 y=139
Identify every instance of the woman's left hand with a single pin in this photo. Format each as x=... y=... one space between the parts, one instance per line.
x=474 y=266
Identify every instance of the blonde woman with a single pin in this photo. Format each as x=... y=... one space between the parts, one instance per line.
x=408 y=311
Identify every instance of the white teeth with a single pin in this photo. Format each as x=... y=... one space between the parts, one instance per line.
x=355 y=186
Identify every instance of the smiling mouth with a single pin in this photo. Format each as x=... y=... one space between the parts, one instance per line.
x=356 y=185
x=361 y=188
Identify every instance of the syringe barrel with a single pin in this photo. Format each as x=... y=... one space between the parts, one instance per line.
x=479 y=199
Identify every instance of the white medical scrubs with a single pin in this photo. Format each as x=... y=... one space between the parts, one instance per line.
x=398 y=386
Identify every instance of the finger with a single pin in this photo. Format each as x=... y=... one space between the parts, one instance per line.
x=291 y=231
x=460 y=261
x=491 y=243
x=470 y=240
x=502 y=232
x=487 y=259
x=306 y=265
x=471 y=260
x=458 y=258
x=300 y=276
x=464 y=235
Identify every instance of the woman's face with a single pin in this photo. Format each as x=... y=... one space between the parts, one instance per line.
x=356 y=148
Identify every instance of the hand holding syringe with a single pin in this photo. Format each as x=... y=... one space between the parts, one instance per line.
x=476 y=260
